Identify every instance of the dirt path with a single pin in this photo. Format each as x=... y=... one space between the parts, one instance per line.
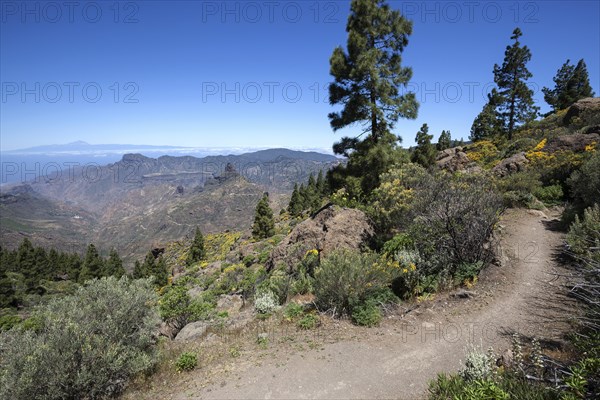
x=398 y=359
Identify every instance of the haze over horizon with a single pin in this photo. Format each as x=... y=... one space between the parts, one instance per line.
x=253 y=74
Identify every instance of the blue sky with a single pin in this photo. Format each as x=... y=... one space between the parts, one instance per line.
x=253 y=74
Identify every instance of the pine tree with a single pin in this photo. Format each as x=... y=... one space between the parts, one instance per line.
x=93 y=265
x=303 y=197
x=197 y=252
x=160 y=272
x=571 y=83
x=321 y=184
x=425 y=153
x=368 y=76
x=73 y=263
x=367 y=81
x=7 y=292
x=444 y=141
x=138 y=272
x=516 y=104
x=487 y=124
x=313 y=199
x=263 y=226
x=295 y=206
x=114 y=265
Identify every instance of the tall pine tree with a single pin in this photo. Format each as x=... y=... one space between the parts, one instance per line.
x=114 y=265
x=425 y=153
x=295 y=205
x=368 y=77
x=571 y=83
x=263 y=226
x=515 y=105
x=444 y=141
x=93 y=265
x=197 y=252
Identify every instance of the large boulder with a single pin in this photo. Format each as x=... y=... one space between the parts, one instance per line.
x=515 y=163
x=192 y=331
x=583 y=109
x=455 y=159
x=330 y=229
x=576 y=142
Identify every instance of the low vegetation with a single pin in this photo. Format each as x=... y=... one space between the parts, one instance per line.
x=87 y=345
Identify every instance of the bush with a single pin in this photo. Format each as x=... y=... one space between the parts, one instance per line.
x=394 y=198
x=525 y=182
x=366 y=314
x=309 y=321
x=584 y=234
x=278 y=283
x=9 y=321
x=90 y=345
x=265 y=302
x=178 y=309
x=293 y=311
x=346 y=278
x=507 y=386
x=187 y=361
x=585 y=183
x=455 y=217
x=478 y=365
x=550 y=195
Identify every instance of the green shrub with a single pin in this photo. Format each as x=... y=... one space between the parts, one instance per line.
x=309 y=321
x=584 y=234
x=187 y=361
x=550 y=195
x=293 y=311
x=399 y=242
x=584 y=184
x=514 y=199
x=9 y=321
x=90 y=345
x=303 y=283
x=366 y=314
x=346 y=278
x=279 y=283
x=467 y=271
x=177 y=308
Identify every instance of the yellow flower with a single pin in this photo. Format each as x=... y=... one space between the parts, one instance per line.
x=541 y=145
x=404 y=270
x=312 y=252
x=590 y=147
x=412 y=266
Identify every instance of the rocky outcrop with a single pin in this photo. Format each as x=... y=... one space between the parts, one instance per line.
x=583 y=109
x=192 y=331
x=232 y=304
x=515 y=163
x=330 y=229
x=576 y=142
x=455 y=159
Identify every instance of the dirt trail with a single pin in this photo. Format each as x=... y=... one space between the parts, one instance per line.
x=398 y=359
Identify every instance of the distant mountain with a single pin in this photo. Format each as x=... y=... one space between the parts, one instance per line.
x=19 y=166
x=140 y=201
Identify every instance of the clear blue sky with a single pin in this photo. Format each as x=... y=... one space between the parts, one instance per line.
x=239 y=73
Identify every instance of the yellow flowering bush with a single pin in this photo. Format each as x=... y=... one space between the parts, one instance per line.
x=394 y=198
x=483 y=152
x=217 y=245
